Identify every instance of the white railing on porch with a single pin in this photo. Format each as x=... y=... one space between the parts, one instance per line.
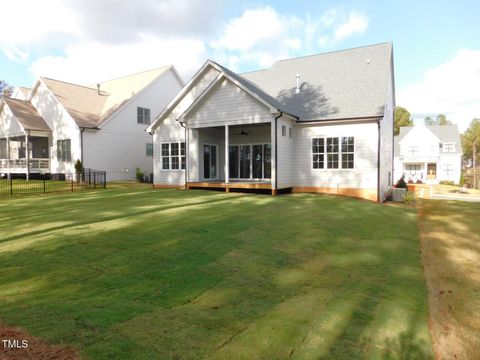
x=14 y=165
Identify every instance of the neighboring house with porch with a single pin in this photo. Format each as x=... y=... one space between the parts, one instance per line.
x=321 y=123
x=46 y=129
x=428 y=154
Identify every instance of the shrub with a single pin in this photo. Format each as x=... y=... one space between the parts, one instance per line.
x=446 y=182
x=419 y=181
x=462 y=180
x=409 y=197
x=401 y=184
x=139 y=174
x=78 y=167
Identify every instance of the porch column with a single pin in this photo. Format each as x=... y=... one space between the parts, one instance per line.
x=8 y=156
x=426 y=172
x=227 y=159
x=187 y=156
x=27 y=156
x=273 y=137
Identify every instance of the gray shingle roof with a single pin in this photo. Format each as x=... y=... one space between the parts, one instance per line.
x=446 y=133
x=336 y=85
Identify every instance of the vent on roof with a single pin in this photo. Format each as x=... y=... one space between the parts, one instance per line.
x=297 y=90
x=98 y=89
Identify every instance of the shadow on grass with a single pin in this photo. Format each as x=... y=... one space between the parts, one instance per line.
x=234 y=275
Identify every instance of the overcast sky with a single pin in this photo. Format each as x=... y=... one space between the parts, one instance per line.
x=436 y=43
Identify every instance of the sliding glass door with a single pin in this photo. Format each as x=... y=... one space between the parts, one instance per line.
x=210 y=161
x=244 y=161
x=251 y=161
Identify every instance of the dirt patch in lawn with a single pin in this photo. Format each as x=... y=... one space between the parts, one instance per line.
x=16 y=344
x=451 y=256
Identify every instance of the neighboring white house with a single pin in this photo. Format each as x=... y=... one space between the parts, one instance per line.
x=428 y=154
x=103 y=124
x=321 y=123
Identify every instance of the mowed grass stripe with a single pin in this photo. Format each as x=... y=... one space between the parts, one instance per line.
x=137 y=273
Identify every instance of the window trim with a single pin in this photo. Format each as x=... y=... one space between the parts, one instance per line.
x=284 y=130
x=143 y=115
x=146 y=149
x=180 y=156
x=60 y=151
x=453 y=144
x=340 y=168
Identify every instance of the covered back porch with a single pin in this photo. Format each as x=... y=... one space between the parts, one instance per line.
x=231 y=157
x=24 y=154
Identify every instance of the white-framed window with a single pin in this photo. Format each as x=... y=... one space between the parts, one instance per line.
x=413 y=171
x=333 y=152
x=173 y=155
x=448 y=170
x=149 y=149
x=412 y=150
x=143 y=115
x=449 y=147
x=290 y=132
x=64 y=152
x=284 y=130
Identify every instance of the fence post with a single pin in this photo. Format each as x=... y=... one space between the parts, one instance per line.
x=94 y=180
x=72 y=182
x=105 y=180
x=44 y=189
x=11 y=186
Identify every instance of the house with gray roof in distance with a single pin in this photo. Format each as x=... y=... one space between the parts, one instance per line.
x=47 y=128
x=428 y=154
x=320 y=123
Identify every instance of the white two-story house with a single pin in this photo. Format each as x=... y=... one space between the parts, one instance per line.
x=48 y=128
x=428 y=154
x=320 y=123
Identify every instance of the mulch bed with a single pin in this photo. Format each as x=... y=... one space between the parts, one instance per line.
x=36 y=349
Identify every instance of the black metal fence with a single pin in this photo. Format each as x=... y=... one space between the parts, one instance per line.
x=94 y=178
x=39 y=184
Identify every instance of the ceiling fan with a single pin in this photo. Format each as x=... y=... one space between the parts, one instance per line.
x=243 y=132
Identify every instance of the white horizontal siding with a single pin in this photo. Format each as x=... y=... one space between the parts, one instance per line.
x=170 y=130
x=119 y=147
x=62 y=125
x=363 y=176
x=285 y=152
x=227 y=104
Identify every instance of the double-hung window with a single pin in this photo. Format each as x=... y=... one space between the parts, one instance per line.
x=449 y=147
x=173 y=155
x=333 y=153
x=149 y=149
x=64 y=153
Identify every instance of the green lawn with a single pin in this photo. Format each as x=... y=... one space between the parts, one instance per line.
x=136 y=273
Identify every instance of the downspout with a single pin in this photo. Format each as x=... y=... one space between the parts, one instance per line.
x=153 y=159
x=276 y=152
x=378 y=162
x=81 y=144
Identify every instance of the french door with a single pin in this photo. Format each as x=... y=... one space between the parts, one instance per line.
x=209 y=161
x=253 y=161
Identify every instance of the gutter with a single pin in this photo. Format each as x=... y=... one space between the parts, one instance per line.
x=276 y=152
